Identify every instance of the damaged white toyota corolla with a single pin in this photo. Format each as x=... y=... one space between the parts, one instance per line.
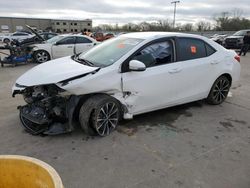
x=122 y=77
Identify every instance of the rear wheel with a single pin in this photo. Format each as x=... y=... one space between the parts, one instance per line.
x=41 y=56
x=100 y=115
x=219 y=91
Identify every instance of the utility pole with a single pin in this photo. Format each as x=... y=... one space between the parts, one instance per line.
x=174 y=2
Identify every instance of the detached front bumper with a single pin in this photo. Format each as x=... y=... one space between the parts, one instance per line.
x=36 y=120
x=51 y=115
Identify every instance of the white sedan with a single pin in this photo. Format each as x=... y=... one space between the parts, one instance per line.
x=17 y=36
x=129 y=75
x=61 y=46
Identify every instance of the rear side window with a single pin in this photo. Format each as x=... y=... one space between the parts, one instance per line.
x=190 y=48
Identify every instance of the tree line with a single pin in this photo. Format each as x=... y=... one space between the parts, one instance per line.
x=225 y=21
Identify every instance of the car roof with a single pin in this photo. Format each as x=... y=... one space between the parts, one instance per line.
x=155 y=35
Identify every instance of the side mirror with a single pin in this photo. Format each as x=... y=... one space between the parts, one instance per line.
x=135 y=65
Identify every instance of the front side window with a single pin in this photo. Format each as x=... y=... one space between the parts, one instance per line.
x=67 y=40
x=110 y=51
x=189 y=48
x=80 y=40
x=156 y=54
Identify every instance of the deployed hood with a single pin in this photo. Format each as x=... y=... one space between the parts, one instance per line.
x=53 y=72
x=33 y=31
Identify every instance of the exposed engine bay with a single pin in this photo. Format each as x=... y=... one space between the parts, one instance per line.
x=45 y=111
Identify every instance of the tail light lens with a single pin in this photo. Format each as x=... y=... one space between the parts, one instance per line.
x=237 y=57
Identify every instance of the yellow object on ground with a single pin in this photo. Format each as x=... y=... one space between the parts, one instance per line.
x=27 y=172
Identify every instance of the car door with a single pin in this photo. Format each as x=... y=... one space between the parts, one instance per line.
x=197 y=69
x=152 y=88
x=64 y=47
x=83 y=44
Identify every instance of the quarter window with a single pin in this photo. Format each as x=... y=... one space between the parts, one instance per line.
x=210 y=50
x=191 y=49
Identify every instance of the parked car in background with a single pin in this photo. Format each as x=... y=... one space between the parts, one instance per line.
x=61 y=46
x=17 y=36
x=236 y=40
x=219 y=38
x=125 y=76
x=99 y=36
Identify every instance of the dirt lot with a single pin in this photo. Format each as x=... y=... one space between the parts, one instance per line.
x=192 y=146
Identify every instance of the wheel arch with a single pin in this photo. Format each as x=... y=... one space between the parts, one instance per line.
x=228 y=76
x=83 y=98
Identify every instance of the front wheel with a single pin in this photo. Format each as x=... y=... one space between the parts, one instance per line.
x=41 y=56
x=219 y=91
x=6 y=40
x=100 y=115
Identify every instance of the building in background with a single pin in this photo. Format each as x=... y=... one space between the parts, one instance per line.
x=12 y=24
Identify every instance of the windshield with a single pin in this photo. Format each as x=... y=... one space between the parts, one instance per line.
x=240 y=33
x=109 y=52
x=54 y=39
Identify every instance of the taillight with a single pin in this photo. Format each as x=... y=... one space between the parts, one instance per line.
x=237 y=57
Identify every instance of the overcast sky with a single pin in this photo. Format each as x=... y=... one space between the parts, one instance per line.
x=121 y=11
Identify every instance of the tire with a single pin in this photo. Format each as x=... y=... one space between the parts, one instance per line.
x=219 y=91
x=41 y=56
x=6 y=40
x=100 y=115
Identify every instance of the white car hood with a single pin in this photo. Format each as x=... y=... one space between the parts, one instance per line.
x=53 y=72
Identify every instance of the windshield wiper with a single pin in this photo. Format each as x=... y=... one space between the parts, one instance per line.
x=83 y=61
x=87 y=62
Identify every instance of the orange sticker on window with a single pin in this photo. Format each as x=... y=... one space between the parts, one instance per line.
x=121 y=45
x=193 y=49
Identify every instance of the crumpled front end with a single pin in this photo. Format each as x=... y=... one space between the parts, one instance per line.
x=48 y=109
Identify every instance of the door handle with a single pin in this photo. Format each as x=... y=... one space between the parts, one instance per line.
x=215 y=62
x=175 y=70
